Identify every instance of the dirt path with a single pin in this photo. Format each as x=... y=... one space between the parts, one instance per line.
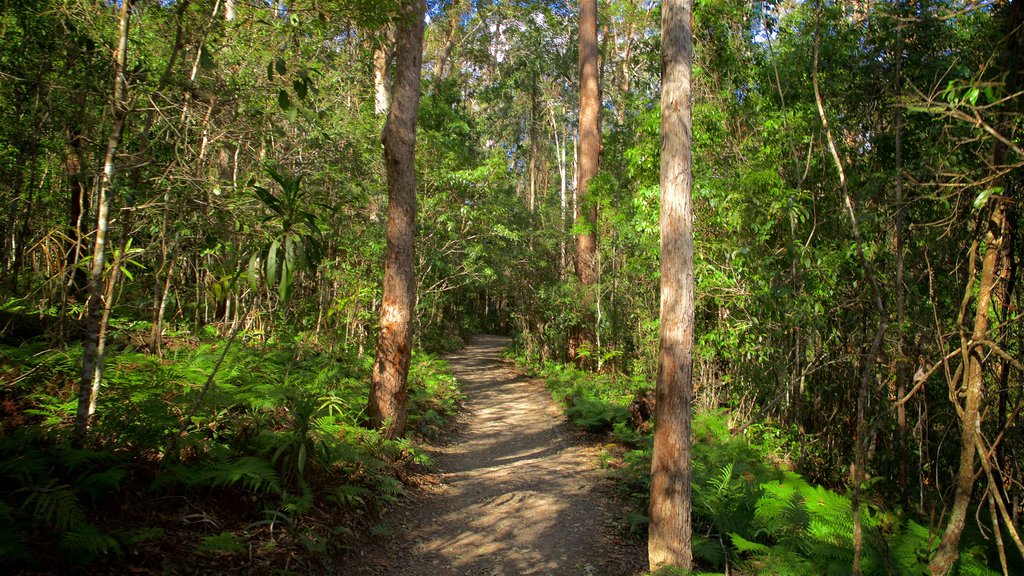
x=518 y=493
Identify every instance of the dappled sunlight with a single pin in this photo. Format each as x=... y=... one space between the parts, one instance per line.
x=519 y=496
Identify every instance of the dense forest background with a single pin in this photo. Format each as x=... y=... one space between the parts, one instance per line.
x=857 y=168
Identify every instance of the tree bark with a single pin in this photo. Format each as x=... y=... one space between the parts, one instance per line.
x=670 y=533
x=903 y=363
x=382 y=85
x=78 y=202
x=441 y=63
x=948 y=550
x=590 y=142
x=588 y=155
x=92 y=360
x=996 y=242
x=388 y=396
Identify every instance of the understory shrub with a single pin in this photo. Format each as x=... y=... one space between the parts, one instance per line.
x=751 y=514
x=271 y=453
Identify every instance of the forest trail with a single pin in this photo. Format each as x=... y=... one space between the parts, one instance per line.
x=518 y=490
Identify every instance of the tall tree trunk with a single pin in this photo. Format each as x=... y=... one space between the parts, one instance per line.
x=78 y=202
x=382 y=85
x=903 y=365
x=973 y=380
x=590 y=142
x=996 y=241
x=589 y=161
x=862 y=436
x=534 y=145
x=92 y=361
x=441 y=63
x=560 y=146
x=388 y=397
x=669 y=539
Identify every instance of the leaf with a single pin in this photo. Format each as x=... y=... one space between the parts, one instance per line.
x=743 y=545
x=284 y=289
x=281 y=68
x=270 y=71
x=272 y=262
x=984 y=195
x=268 y=198
x=300 y=88
x=206 y=59
x=252 y=273
x=283 y=100
x=972 y=95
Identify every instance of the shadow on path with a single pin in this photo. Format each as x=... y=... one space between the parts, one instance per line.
x=519 y=491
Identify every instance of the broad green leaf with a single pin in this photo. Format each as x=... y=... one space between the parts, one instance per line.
x=253 y=273
x=285 y=287
x=280 y=66
x=272 y=263
x=283 y=100
x=984 y=195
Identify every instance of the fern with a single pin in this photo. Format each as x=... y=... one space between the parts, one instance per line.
x=247 y=472
x=84 y=543
x=55 y=505
x=226 y=543
x=743 y=545
x=350 y=495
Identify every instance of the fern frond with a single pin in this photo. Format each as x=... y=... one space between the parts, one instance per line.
x=85 y=542
x=56 y=505
x=248 y=472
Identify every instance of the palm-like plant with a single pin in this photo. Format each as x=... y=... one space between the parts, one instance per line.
x=294 y=244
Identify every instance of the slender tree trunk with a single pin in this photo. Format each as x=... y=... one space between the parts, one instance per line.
x=560 y=145
x=903 y=364
x=534 y=146
x=382 y=84
x=862 y=436
x=973 y=381
x=669 y=539
x=996 y=242
x=388 y=396
x=441 y=63
x=78 y=203
x=92 y=361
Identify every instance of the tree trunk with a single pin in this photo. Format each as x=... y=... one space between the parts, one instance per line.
x=669 y=539
x=996 y=242
x=590 y=142
x=948 y=551
x=589 y=160
x=78 y=203
x=92 y=360
x=381 y=72
x=441 y=63
x=388 y=398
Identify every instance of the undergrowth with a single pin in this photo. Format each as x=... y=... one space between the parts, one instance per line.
x=751 y=514
x=269 y=466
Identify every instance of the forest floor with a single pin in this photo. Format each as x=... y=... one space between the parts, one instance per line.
x=515 y=489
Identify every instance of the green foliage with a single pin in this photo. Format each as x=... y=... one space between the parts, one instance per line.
x=751 y=516
x=281 y=435
x=226 y=543
x=46 y=494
